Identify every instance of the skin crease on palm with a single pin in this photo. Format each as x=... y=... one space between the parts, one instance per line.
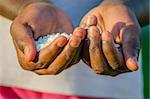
x=106 y=26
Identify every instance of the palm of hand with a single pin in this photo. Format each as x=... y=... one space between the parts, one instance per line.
x=37 y=20
x=103 y=56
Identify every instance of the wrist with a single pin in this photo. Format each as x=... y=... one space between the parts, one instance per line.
x=11 y=8
x=140 y=8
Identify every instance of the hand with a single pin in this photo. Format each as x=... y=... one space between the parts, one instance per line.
x=107 y=26
x=56 y=61
x=39 y=19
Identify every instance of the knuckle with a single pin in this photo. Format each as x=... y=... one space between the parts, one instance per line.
x=99 y=71
x=98 y=68
x=93 y=32
x=67 y=56
x=93 y=48
x=107 y=44
x=93 y=29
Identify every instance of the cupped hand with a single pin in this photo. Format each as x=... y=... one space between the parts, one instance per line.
x=56 y=57
x=113 y=40
x=36 y=20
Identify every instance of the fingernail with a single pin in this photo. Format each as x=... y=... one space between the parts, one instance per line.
x=91 y=20
x=93 y=32
x=62 y=42
x=75 y=42
x=80 y=32
x=132 y=64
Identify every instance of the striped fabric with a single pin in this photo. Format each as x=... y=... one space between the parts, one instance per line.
x=19 y=93
x=78 y=82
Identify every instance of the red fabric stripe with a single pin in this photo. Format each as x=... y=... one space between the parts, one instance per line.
x=19 y=93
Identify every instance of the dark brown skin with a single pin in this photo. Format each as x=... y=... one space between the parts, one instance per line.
x=30 y=24
x=66 y=57
x=107 y=25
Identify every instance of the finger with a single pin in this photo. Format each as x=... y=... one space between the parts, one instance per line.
x=60 y=62
x=131 y=47
x=113 y=56
x=98 y=63
x=22 y=34
x=97 y=56
x=77 y=57
x=49 y=53
x=65 y=57
x=27 y=65
x=88 y=21
x=100 y=23
x=117 y=32
x=78 y=32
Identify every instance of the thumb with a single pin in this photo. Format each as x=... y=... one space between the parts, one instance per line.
x=131 y=47
x=22 y=35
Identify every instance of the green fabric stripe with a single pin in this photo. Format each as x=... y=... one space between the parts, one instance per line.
x=145 y=60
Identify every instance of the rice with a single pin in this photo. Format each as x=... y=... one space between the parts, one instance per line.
x=46 y=40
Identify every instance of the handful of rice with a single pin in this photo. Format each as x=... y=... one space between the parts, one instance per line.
x=46 y=40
